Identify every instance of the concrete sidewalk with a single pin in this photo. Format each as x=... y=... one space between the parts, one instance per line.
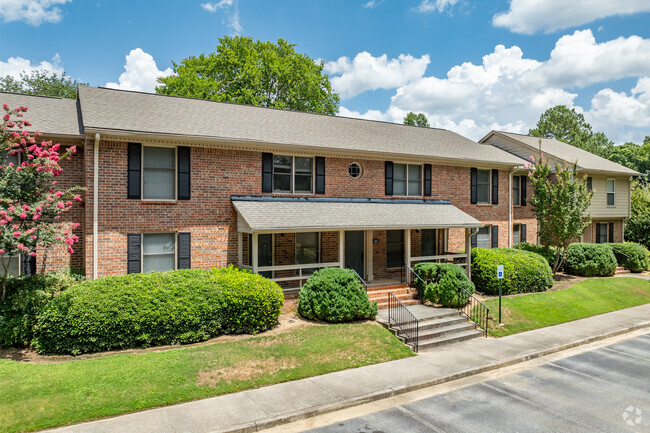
x=273 y=405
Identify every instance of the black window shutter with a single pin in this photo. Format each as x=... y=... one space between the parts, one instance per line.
x=473 y=176
x=133 y=253
x=597 y=233
x=320 y=175
x=522 y=232
x=611 y=232
x=267 y=172
x=427 y=179
x=183 y=173
x=495 y=186
x=389 y=178
x=495 y=236
x=522 y=184
x=134 y=167
x=28 y=265
x=474 y=240
x=184 y=251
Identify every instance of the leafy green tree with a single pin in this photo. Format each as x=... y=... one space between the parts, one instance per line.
x=419 y=119
x=41 y=83
x=560 y=200
x=632 y=155
x=637 y=227
x=252 y=72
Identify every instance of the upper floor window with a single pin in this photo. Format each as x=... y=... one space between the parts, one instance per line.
x=159 y=173
x=293 y=174
x=516 y=191
x=483 y=186
x=611 y=192
x=407 y=179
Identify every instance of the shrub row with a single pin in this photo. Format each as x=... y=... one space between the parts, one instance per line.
x=631 y=256
x=549 y=253
x=442 y=283
x=524 y=271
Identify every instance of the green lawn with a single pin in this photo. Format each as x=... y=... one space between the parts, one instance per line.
x=584 y=299
x=38 y=396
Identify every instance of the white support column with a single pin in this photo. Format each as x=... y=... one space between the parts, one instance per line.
x=255 y=253
x=407 y=252
x=341 y=249
x=468 y=251
x=240 y=249
x=369 y=251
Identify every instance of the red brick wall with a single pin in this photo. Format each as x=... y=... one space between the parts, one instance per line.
x=590 y=231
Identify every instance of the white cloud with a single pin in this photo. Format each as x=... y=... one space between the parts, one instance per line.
x=365 y=72
x=532 y=16
x=231 y=7
x=14 y=66
x=435 y=5
x=34 y=12
x=141 y=73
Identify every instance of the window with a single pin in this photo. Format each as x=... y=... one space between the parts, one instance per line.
x=159 y=173
x=394 y=248
x=602 y=232
x=483 y=186
x=590 y=183
x=13 y=265
x=307 y=250
x=407 y=179
x=611 y=192
x=6 y=158
x=158 y=252
x=516 y=191
x=483 y=237
x=516 y=234
x=428 y=242
x=354 y=170
x=292 y=174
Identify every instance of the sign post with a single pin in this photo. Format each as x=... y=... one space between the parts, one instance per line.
x=500 y=277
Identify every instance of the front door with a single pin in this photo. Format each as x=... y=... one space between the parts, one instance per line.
x=354 y=246
x=265 y=252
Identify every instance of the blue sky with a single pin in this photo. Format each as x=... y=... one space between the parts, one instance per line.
x=470 y=65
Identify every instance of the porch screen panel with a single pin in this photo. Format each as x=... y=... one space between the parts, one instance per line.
x=307 y=250
x=428 y=242
x=13 y=265
x=394 y=248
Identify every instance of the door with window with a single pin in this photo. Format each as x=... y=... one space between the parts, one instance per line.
x=354 y=249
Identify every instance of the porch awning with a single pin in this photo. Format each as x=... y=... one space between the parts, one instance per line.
x=279 y=214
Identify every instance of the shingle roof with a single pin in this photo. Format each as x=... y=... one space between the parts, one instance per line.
x=559 y=149
x=279 y=214
x=124 y=111
x=54 y=116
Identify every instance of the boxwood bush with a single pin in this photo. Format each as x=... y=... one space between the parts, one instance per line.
x=524 y=271
x=549 y=253
x=141 y=310
x=443 y=283
x=335 y=295
x=590 y=260
x=26 y=297
x=631 y=256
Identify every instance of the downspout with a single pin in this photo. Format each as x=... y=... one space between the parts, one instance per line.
x=95 y=202
x=510 y=174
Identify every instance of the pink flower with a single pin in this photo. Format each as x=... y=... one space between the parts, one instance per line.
x=17 y=233
x=36 y=216
x=33 y=254
x=58 y=194
x=2 y=251
x=38 y=209
x=34 y=237
x=532 y=158
x=6 y=117
x=23 y=215
x=77 y=197
x=72 y=149
x=70 y=250
x=526 y=166
x=60 y=205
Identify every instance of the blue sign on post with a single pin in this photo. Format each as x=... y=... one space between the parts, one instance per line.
x=500 y=272
x=500 y=277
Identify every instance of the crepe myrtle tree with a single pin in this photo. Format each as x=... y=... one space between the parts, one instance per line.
x=560 y=200
x=31 y=203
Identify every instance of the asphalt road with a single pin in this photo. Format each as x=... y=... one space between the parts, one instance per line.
x=603 y=390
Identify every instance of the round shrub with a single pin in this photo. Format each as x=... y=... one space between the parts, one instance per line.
x=549 y=253
x=443 y=283
x=631 y=256
x=524 y=271
x=26 y=297
x=590 y=260
x=335 y=295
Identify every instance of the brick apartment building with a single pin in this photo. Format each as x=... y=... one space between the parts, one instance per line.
x=176 y=183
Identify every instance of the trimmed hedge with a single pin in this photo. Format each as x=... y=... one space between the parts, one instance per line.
x=631 y=256
x=27 y=296
x=524 y=271
x=141 y=310
x=549 y=253
x=335 y=295
x=590 y=260
x=443 y=283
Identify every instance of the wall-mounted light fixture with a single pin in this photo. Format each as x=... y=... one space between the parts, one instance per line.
x=375 y=241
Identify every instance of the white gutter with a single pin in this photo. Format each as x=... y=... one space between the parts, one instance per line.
x=95 y=203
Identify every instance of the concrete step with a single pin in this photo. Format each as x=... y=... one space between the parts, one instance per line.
x=621 y=270
x=431 y=343
x=379 y=293
x=403 y=296
x=384 y=304
x=442 y=322
x=428 y=334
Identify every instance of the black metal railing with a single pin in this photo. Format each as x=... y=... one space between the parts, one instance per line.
x=365 y=285
x=476 y=311
x=617 y=251
x=410 y=272
x=403 y=321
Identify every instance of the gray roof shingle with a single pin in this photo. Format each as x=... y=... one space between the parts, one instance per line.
x=49 y=115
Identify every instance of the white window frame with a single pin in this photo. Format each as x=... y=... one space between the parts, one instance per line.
x=142 y=254
x=516 y=198
x=608 y=192
x=293 y=174
x=142 y=169
x=516 y=239
x=489 y=232
x=406 y=180
x=489 y=186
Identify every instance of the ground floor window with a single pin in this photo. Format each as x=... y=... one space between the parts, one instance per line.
x=307 y=250
x=602 y=232
x=428 y=242
x=483 y=237
x=516 y=234
x=394 y=248
x=13 y=265
x=158 y=252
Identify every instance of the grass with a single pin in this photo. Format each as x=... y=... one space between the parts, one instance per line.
x=584 y=299
x=38 y=396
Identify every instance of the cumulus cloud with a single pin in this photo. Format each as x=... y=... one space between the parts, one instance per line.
x=532 y=16
x=372 y=4
x=365 y=72
x=140 y=73
x=33 y=12
x=14 y=66
x=231 y=7
x=435 y=5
